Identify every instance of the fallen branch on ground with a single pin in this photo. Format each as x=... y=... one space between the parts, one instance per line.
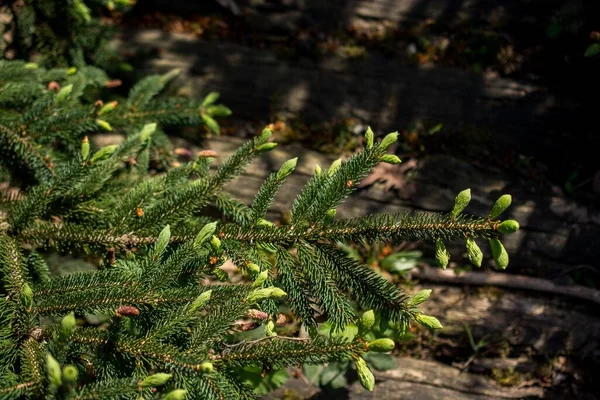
x=506 y=281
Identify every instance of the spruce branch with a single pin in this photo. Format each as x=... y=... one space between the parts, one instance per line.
x=16 y=150
x=280 y=352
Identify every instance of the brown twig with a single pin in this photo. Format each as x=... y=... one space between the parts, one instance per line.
x=507 y=281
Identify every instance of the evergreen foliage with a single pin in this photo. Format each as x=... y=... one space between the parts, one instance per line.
x=60 y=32
x=167 y=329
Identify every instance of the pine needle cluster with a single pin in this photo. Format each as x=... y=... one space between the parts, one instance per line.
x=167 y=304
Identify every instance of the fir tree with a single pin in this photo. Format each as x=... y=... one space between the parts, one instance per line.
x=167 y=329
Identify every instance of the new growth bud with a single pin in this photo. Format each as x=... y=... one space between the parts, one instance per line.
x=258 y=295
x=108 y=107
x=201 y=301
x=367 y=380
x=206 y=232
x=155 y=380
x=461 y=202
x=499 y=253
x=177 y=394
x=369 y=138
x=419 y=298
x=53 y=370
x=27 y=296
x=85 y=148
x=266 y=146
x=441 y=254
x=68 y=324
x=501 y=205
x=428 y=321
x=70 y=374
x=260 y=279
x=390 y=159
x=474 y=252
x=382 y=345
x=287 y=168
x=366 y=321
x=264 y=136
x=508 y=226
x=388 y=140
x=104 y=125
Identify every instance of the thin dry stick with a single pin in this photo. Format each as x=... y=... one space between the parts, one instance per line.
x=507 y=281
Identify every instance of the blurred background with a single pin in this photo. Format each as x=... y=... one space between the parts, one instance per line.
x=496 y=96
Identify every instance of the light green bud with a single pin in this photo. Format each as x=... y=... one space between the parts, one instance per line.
x=501 y=205
x=367 y=380
x=334 y=166
x=419 y=298
x=258 y=295
x=210 y=98
x=461 y=202
x=206 y=232
x=382 y=345
x=253 y=268
x=215 y=242
x=85 y=148
x=68 y=324
x=147 y=132
x=508 y=226
x=369 y=138
x=388 y=140
x=27 y=296
x=200 y=301
x=474 y=252
x=104 y=125
x=207 y=367
x=270 y=328
x=390 y=159
x=104 y=153
x=53 y=370
x=318 y=170
x=441 y=254
x=64 y=93
x=266 y=146
x=499 y=253
x=177 y=394
x=428 y=321
x=165 y=78
x=72 y=71
x=264 y=136
x=108 y=107
x=155 y=380
x=70 y=374
x=287 y=168
x=264 y=222
x=330 y=214
x=260 y=279
x=31 y=65
x=163 y=240
x=366 y=321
